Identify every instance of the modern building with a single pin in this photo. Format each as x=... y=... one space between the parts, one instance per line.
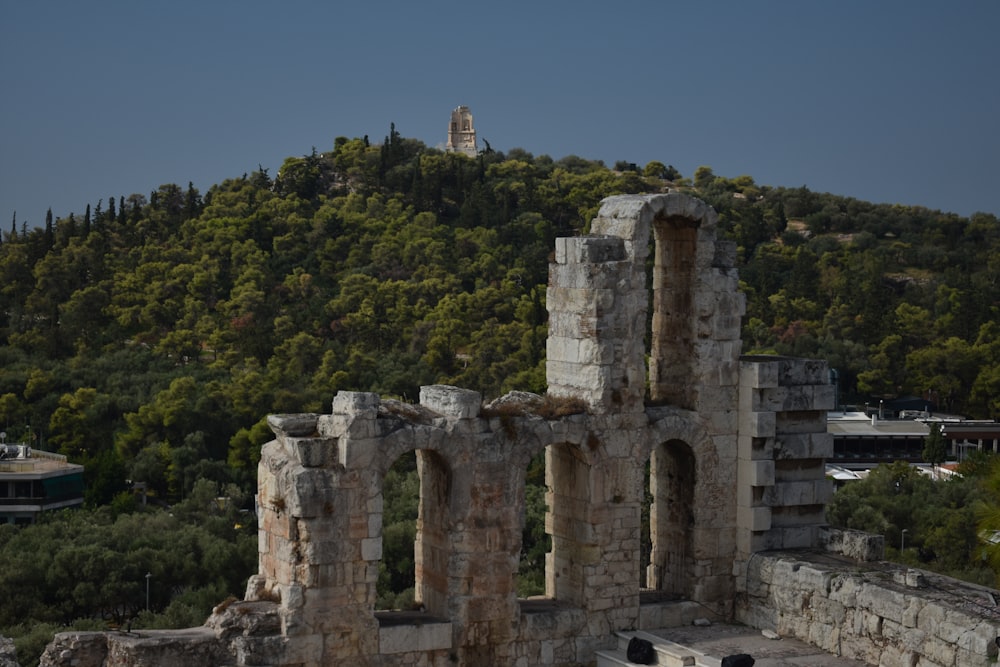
x=34 y=481
x=862 y=440
x=461 y=132
x=971 y=436
x=868 y=440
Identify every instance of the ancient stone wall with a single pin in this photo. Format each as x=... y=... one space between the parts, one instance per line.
x=8 y=654
x=674 y=432
x=881 y=613
x=320 y=541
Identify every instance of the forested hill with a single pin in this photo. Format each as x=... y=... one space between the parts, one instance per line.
x=149 y=337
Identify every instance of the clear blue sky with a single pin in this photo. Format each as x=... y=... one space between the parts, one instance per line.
x=888 y=101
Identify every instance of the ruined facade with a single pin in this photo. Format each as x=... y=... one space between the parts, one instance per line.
x=729 y=450
x=726 y=453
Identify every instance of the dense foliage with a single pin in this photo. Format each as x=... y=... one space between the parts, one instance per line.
x=950 y=526
x=155 y=333
x=149 y=337
x=88 y=568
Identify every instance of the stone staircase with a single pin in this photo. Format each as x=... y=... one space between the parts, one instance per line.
x=668 y=653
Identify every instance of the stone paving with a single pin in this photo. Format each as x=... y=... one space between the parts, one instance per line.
x=720 y=640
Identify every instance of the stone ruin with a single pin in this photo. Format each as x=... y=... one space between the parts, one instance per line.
x=727 y=450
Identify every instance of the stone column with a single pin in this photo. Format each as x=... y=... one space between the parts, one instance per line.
x=480 y=496
x=596 y=319
x=783 y=445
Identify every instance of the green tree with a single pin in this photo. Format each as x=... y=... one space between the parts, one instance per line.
x=75 y=425
x=703 y=177
x=935 y=449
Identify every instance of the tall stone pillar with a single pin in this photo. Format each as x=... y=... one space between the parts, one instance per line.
x=783 y=446
x=595 y=348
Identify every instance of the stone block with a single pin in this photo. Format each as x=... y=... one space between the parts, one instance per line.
x=794 y=493
x=798 y=537
x=785 y=399
x=888 y=603
x=418 y=636
x=824 y=397
x=295 y=425
x=853 y=543
x=312 y=492
x=356 y=403
x=821 y=445
x=451 y=401
x=371 y=549
x=562 y=250
x=803 y=446
x=758 y=372
x=314 y=452
x=756 y=473
x=600 y=352
x=754 y=519
x=709 y=398
x=824 y=491
x=359 y=426
x=621 y=215
x=595 y=249
x=563 y=324
x=562 y=349
x=812 y=421
x=570 y=374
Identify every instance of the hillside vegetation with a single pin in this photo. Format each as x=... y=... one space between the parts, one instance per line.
x=149 y=337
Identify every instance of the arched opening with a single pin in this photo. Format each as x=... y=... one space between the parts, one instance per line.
x=433 y=522
x=673 y=310
x=567 y=476
x=670 y=571
x=535 y=541
x=395 y=587
x=413 y=572
x=645 y=534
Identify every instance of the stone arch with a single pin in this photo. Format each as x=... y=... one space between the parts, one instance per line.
x=568 y=496
x=691 y=503
x=694 y=303
x=674 y=277
x=672 y=486
x=529 y=461
x=431 y=547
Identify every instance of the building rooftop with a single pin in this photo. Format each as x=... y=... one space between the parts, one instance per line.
x=34 y=461
x=857 y=423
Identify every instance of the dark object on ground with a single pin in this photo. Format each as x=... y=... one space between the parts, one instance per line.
x=640 y=651
x=738 y=660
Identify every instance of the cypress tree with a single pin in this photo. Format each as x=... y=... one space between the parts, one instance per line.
x=50 y=234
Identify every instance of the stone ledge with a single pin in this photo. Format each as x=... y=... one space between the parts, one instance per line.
x=451 y=401
x=403 y=637
x=293 y=425
x=885 y=613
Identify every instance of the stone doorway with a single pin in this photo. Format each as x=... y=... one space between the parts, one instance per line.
x=671 y=520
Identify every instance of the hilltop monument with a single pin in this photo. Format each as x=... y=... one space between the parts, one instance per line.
x=461 y=132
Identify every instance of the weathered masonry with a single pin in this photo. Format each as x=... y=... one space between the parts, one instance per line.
x=725 y=452
x=732 y=449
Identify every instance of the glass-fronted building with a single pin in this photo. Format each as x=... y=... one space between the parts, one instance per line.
x=34 y=481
